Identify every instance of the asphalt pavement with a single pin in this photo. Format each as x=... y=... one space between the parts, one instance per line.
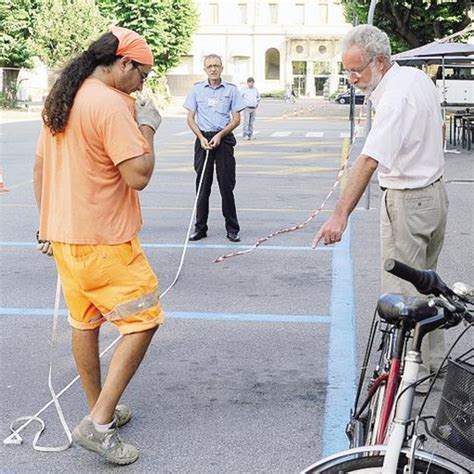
x=255 y=368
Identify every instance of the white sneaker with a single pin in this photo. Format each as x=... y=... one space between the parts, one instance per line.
x=108 y=444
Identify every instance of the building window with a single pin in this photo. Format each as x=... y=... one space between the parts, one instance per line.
x=272 y=64
x=323 y=11
x=322 y=67
x=213 y=13
x=299 y=68
x=243 y=13
x=299 y=13
x=241 y=68
x=299 y=77
x=273 y=13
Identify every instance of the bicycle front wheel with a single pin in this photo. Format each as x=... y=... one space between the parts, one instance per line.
x=373 y=465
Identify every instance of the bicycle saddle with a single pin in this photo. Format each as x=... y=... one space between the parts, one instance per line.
x=393 y=308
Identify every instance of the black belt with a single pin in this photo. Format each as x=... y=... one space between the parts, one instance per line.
x=210 y=134
x=439 y=179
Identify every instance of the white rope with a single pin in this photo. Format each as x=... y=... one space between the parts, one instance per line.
x=14 y=437
x=188 y=233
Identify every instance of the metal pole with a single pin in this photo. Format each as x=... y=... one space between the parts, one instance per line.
x=368 y=123
x=355 y=22
x=352 y=113
x=370 y=16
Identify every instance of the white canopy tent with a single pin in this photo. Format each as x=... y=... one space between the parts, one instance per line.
x=437 y=53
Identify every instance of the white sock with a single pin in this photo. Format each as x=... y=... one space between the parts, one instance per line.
x=102 y=428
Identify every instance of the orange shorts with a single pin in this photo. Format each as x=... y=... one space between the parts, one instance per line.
x=109 y=283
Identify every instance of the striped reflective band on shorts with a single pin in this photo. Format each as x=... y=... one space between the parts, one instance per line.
x=125 y=310
x=95 y=318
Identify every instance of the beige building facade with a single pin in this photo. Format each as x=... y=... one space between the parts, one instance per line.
x=278 y=42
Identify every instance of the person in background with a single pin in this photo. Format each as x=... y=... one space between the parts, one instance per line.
x=94 y=153
x=251 y=98
x=290 y=95
x=405 y=146
x=214 y=108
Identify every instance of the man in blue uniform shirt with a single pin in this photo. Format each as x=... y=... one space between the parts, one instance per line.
x=213 y=112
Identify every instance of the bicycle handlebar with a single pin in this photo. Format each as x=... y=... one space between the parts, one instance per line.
x=427 y=282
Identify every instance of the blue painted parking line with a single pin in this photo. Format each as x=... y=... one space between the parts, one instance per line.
x=197 y=246
x=235 y=247
x=188 y=315
x=261 y=318
x=342 y=350
x=17 y=244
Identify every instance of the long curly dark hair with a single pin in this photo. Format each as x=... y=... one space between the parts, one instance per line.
x=58 y=104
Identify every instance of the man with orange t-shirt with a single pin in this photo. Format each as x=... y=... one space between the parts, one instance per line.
x=94 y=153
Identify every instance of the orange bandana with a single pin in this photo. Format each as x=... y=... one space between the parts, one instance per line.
x=131 y=44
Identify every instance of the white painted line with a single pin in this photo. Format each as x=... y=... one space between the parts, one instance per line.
x=344 y=135
x=182 y=133
x=315 y=134
x=281 y=134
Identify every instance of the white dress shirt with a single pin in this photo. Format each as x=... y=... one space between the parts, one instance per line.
x=406 y=137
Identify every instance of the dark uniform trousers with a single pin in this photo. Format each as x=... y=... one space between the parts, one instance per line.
x=223 y=157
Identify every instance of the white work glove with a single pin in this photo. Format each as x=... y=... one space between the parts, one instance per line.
x=147 y=113
x=44 y=246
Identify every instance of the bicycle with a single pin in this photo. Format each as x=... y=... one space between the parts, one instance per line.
x=380 y=441
x=289 y=96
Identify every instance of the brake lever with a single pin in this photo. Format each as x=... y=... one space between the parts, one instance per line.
x=443 y=302
x=453 y=312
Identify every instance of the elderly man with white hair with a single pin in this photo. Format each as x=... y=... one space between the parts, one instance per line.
x=405 y=146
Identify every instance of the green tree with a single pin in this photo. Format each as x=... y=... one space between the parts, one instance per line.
x=413 y=23
x=16 y=20
x=64 y=28
x=167 y=26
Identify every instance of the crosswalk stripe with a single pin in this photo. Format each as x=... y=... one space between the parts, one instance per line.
x=284 y=134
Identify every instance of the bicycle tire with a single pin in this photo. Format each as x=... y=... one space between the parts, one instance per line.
x=374 y=416
x=373 y=465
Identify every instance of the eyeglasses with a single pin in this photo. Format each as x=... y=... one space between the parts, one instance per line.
x=358 y=74
x=143 y=75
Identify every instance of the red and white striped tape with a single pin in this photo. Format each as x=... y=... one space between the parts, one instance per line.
x=294 y=228
x=288 y=229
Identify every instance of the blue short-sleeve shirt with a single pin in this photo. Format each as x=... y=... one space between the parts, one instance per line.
x=214 y=105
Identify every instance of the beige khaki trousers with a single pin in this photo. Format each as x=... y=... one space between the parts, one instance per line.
x=412 y=228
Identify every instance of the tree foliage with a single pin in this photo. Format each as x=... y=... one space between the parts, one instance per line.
x=16 y=20
x=167 y=26
x=413 y=23
x=64 y=28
